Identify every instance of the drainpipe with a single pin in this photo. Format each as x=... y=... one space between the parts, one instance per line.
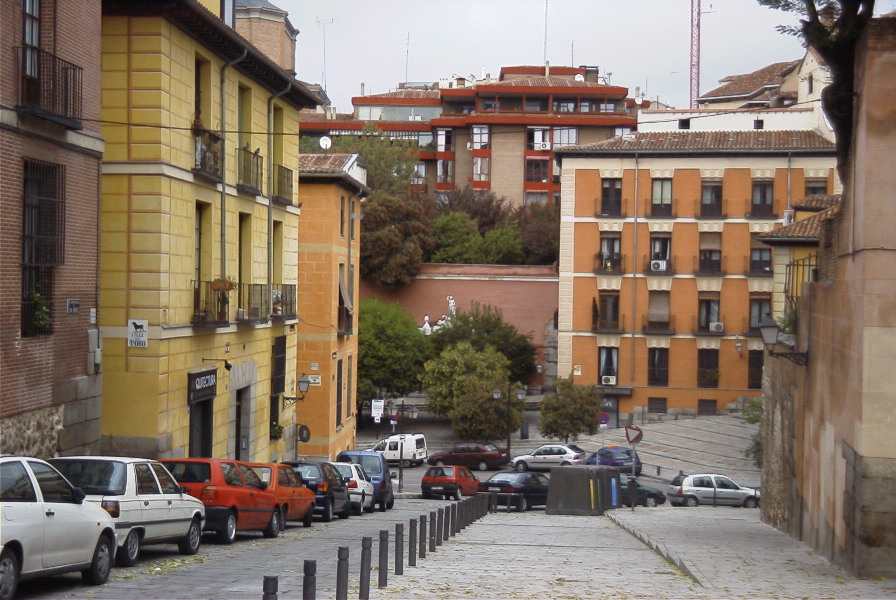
x=788 y=214
x=635 y=270
x=224 y=159
x=271 y=192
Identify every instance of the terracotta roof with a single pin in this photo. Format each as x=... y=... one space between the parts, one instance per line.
x=549 y=81
x=806 y=230
x=316 y=115
x=752 y=83
x=817 y=202
x=708 y=142
x=406 y=94
x=324 y=163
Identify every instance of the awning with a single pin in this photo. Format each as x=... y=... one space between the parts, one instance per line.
x=710 y=241
x=658 y=307
x=345 y=298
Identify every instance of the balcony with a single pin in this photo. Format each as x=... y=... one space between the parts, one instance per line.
x=709 y=267
x=253 y=303
x=49 y=87
x=610 y=209
x=708 y=377
x=712 y=210
x=610 y=264
x=283 y=194
x=660 y=211
x=799 y=272
x=761 y=211
x=211 y=303
x=248 y=172
x=709 y=328
x=760 y=268
x=655 y=266
x=208 y=149
x=658 y=326
x=284 y=297
x=751 y=329
x=345 y=321
x=658 y=376
x=601 y=324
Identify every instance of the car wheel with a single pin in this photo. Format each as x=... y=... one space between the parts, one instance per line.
x=521 y=466
x=328 y=511
x=308 y=519
x=483 y=466
x=9 y=574
x=650 y=501
x=750 y=503
x=360 y=510
x=691 y=501
x=522 y=505
x=191 y=541
x=228 y=534
x=101 y=564
x=273 y=528
x=390 y=503
x=129 y=552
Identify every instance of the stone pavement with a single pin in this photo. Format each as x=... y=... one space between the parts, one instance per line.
x=732 y=555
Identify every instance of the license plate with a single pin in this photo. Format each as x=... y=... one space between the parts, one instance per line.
x=494 y=489
x=436 y=488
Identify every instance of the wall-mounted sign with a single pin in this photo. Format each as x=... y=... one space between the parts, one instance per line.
x=376 y=408
x=315 y=366
x=313 y=380
x=138 y=333
x=72 y=305
x=202 y=385
x=304 y=433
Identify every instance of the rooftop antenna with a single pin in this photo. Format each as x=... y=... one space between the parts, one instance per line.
x=696 y=12
x=545 y=58
x=407 y=54
x=323 y=25
x=572 y=52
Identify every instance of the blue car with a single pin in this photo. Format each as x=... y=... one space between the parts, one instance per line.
x=378 y=470
x=616 y=456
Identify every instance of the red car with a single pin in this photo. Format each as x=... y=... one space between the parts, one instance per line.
x=476 y=456
x=449 y=482
x=295 y=500
x=235 y=497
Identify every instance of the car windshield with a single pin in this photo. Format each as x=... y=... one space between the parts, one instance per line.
x=190 y=472
x=106 y=477
x=440 y=472
x=308 y=472
x=575 y=449
x=264 y=473
x=489 y=447
x=507 y=478
x=421 y=443
x=372 y=464
x=621 y=452
x=344 y=470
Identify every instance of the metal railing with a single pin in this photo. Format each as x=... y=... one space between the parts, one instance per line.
x=49 y=86
x=658 y=327
x=610 y=264
x=208 y=148
x=609 y=209
x=709 y=266
x=253 y=302
x=657 y=376
x=712 y=210
x=708 y=377
x=660 y=210
x=284 y=301
x=283 y=193
x=760 y=268
x=799 y=272
x=211 y=303
x=606 y=325
x=761 y=211
x=248 y=174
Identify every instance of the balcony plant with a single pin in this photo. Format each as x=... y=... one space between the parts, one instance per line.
x=40 y=312
x=276 y=301
x=223 y=284
x=276 y=431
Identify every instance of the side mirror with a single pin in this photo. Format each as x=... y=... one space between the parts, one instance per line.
x=78 y=495
x=263 y=485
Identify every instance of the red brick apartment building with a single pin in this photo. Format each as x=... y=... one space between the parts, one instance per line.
x=50 y=148
x=492 y=134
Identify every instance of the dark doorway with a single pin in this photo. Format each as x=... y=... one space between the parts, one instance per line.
x=707 y=407
x=338 y=392
x=201 y=429
x=240 y=423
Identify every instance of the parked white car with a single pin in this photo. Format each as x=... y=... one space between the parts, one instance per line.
x=545 y=457
x=409 y=448
x=47 y=528
x=360 y=488
x=145 y=501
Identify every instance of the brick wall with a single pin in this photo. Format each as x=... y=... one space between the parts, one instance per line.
x=270 y=37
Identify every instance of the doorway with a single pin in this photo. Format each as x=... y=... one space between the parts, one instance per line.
x=201 y=429
x=241 y=424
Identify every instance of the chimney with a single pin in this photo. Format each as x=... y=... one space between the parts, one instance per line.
x=547 y=68
x=362 y=88
x=331 y=112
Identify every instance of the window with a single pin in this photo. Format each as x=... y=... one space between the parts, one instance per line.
x=537 y=170
x=760 y=311
x=611 y=197
x=710 y=261
x=426 y=141
x=723 y=483
x=351 y=219
x=339 y=394
x=660 y=248
x=658 y=368
x=244 y=116
x=342 y=216
x=564 y=105
x=278 y=377
x=555 y=169
x=707 y=408
x=565 y=136
x=508 y=104
x=760 y=260
x=621 y=131
x=607 y=107
x=657 y=406
x=169 y=486
x=539 y=198
x=703 y=482
x=15 y=484
x=348 y=390
x=754 y=373
x=763 y=198
x=442 y=199
x=538 y=138
x=810 y=84
x=227 y=12
x=536 y=105
x=658 y=314
x=661 y=198
x=250 y=477
x=31 y=37
x=684 y=123
x=585 y=105
x=231 y=475
x=146 y=483
x=708 y=311
x=708 y=369
x=608 y=311
x=53 y=486
x=608 y=361
x=758 y=124
x=43 y=243
x=444 y=171
x=481 y=166
x=283 y=477
x=488 y=104
x=711 y=199
x=419 y=175
x=201 y=89
x=480 y=137
x=444 y=140
x=610 y=251
x=816 y=187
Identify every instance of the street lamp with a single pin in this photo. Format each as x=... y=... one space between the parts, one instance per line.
x=520 y=395
x=304 y=383
x=772 y=336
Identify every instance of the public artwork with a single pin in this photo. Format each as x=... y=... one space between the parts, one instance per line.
x=429 y=328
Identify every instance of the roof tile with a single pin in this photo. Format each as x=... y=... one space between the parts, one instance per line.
x=808 y=229
x=817 y=203
x=751 y=83
x=705 y=141
x=324 y=163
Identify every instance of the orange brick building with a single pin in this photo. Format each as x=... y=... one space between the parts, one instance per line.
x=333 y=186
x=663 y=280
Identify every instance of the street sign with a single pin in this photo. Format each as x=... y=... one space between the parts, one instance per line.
x=393 y=422
x=313 y=380
x=377 y=419
x=633 y=434
x=376 y=408
x=304 y=433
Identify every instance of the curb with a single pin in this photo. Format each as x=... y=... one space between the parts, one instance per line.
x=660 y=549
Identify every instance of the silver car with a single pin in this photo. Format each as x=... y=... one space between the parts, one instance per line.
x=711 y=490
x=549 y=455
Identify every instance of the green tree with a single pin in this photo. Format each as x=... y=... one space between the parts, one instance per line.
x=391 y=350
x=459 y=383
x=501 y=246
x=540 y=232
x=456 y=238
x=484 y=326
x=832 y=28
x=571 y=411
x=395 y=238
x=484 y=207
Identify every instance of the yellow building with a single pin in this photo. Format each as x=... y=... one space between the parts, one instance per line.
x=333 y=186
x=200 y=219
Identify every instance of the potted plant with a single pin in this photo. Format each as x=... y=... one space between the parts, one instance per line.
x=276 y=431
x=223 y=284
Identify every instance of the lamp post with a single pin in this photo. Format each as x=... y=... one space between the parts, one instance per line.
x=520 y=396
x=772 y=336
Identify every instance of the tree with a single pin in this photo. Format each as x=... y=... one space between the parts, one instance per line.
x=484 y=207
x=540 y=232
x=456 y=238
x=391 y=350
x=459 y=383
x=501 y=246
x=484 y=326
x=832 y=28
x=571 y=411
x=395 y=238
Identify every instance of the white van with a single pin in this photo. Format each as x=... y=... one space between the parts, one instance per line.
x=410 y=448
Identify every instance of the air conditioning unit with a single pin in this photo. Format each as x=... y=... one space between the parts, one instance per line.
x=608 y=380
x=657 y=265
x=717 y=327
x=542 y=145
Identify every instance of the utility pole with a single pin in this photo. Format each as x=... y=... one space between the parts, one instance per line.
x=323 y=25
x=545 y=59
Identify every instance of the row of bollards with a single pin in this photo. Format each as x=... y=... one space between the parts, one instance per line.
x=434 y=529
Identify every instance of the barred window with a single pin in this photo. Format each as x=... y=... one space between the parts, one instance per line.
x=43 y=242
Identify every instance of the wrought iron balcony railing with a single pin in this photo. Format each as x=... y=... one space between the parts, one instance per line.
x=208 y=149
x=284 y=301
x=49 y=87
x=248 y=173
x=211 y=303
x=283 y=186
x=608 y=264
x=253 y=303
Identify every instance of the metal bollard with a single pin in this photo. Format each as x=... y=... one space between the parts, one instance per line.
x=342 y=573
x=399 y=548
x=309 y=581
x=432 y=531
x=423 y=539
x=269 y=587
x=447 y=523
x=364 y=587
x=453 y=511
x=412 y=543
x=440 y=525
x=383 y=572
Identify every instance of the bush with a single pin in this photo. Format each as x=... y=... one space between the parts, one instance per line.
x=395 y=238
x=456 y=238
x=501 y=246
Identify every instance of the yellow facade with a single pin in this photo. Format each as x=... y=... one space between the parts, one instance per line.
x=161 y=242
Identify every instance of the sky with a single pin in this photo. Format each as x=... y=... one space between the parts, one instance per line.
x=641 y=43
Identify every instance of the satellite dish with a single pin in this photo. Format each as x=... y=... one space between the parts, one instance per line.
x=579 y=77
x=326 y=142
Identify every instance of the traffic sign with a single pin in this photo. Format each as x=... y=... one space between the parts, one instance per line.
x=633 y=434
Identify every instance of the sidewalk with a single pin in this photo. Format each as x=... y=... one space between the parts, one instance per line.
x=732 y=554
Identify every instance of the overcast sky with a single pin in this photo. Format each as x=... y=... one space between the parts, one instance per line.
x=641 y=42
